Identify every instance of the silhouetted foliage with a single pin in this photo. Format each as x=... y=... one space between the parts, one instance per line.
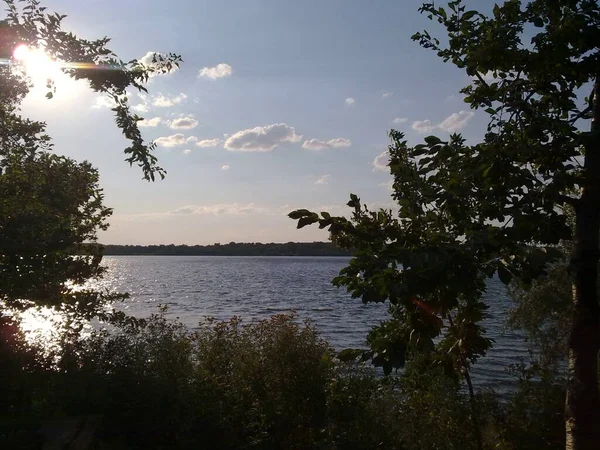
x=51 y=205
x=30 y=24
x=469 y=211
x=269 y=384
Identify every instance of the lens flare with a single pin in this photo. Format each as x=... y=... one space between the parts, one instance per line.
x=37 y=63
x=21 y=52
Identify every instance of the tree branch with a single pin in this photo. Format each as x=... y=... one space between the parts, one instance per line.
x=565 y=199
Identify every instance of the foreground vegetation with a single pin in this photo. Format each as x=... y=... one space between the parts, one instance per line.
x=272 y=384
x=466 y=211
x=503 y=206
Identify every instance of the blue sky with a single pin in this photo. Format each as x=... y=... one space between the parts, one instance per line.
x=278 y=105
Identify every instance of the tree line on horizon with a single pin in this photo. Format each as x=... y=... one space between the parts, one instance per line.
x=231 y=249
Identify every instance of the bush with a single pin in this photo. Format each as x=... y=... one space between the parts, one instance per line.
x=270 y=384
x=533 y=418
x=235 y=385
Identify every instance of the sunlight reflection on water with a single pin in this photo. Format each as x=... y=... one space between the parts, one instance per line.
x=258 y=287
x=42 y=327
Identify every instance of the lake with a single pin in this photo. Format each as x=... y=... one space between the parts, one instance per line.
x=194 y=287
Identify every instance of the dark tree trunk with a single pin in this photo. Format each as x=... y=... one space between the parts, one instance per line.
x=474 y=412
x=583 y=404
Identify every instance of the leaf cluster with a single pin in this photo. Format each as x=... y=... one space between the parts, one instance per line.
x=466 y=212
x=92 y=61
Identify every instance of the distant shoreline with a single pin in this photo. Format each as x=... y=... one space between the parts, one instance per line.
x=231 y=249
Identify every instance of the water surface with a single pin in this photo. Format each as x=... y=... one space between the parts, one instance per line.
x=194 y=287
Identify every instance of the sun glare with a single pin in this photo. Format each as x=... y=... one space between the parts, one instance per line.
x=38 y=65
x=21 y=52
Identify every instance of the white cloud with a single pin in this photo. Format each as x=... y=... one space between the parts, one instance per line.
x=389 y=185
x=219 y=71
x=350 y=101
x=386 y=94
x=208 y=143
x=225 y=167
x=381 y=162
x=456 y=121
x=175 y=140
x=339 y=143
x=261 y=139
x=147 y=58
x=151 y=60
x=149 y=122
x=221 y=209
x=160 y=101
x=187 y=151
x=422 y=126
x=183 y=123
x=141 y=108
x=317 y=144
x=450 y=124
x=102 y=101
x=399 y=120
x=324 y=179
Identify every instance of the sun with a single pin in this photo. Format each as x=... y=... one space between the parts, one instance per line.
x=21 y=52
x=37 y=64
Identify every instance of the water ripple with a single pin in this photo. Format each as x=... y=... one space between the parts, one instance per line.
x=194 y=287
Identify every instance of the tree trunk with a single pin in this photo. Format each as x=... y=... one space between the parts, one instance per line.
x=474 y=412
x=582 y=411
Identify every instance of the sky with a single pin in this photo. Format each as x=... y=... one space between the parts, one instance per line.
x=278 y=105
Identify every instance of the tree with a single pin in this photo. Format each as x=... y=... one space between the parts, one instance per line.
x=543 y=310
x=91 y=61
x=51 y=206
x=466 y=212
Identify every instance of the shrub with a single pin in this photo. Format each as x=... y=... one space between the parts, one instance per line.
x=267 y=384
x=235 y=385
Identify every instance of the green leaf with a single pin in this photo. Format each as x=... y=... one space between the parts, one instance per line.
x=487 y=170
x=469 y=15
x=299 y=213
x=304 y=221
x=350 y=354
x=324 y=223
x=354 y=201
x=432 y=140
